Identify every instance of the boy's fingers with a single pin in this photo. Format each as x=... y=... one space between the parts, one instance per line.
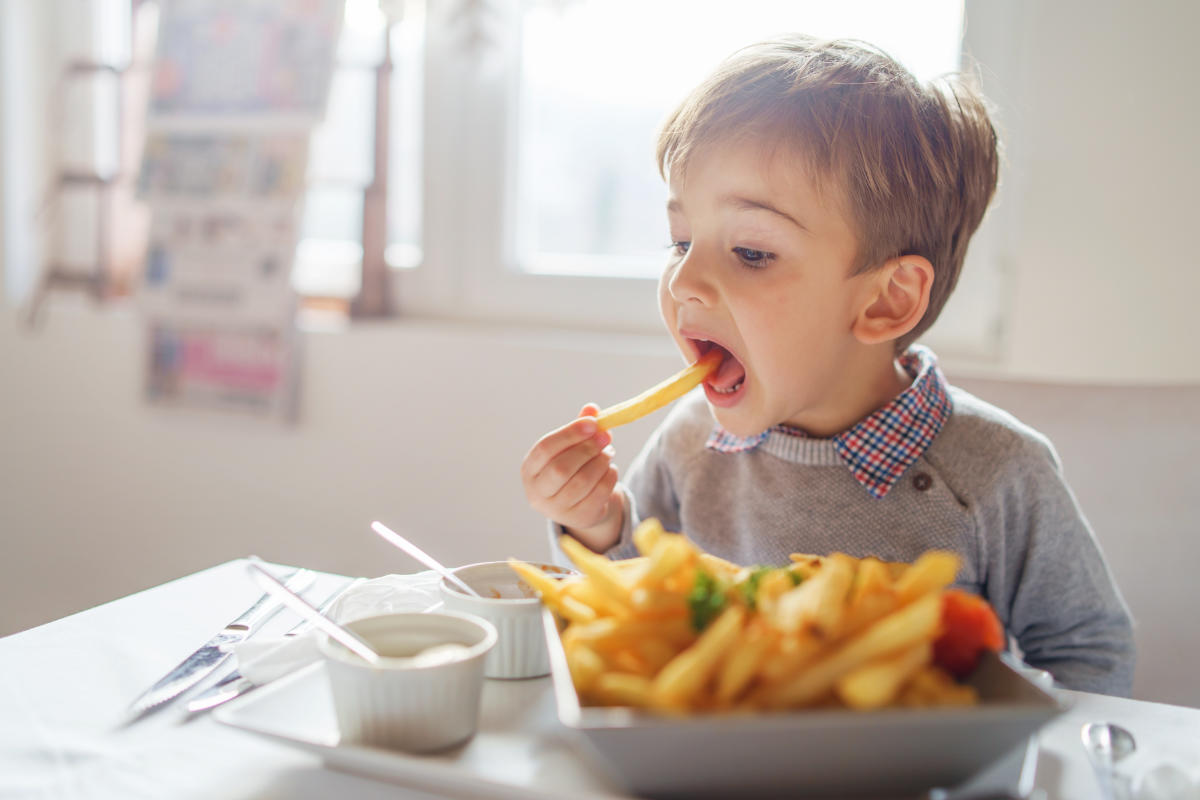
x=581 y=483
x=589 y=410
x=596 y=502
x=564 y=468
x=552 y=444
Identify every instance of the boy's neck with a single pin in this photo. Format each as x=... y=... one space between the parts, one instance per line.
x=869 y=385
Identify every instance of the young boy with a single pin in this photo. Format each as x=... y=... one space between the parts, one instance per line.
x=821 y=201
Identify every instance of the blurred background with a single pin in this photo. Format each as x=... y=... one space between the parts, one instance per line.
x=465 y=199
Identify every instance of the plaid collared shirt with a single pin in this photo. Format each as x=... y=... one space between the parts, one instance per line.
x=879 y=447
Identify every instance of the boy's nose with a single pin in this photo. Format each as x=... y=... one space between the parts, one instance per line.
x=689 y=281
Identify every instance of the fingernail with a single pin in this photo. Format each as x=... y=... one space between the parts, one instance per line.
x=588 y=426
x=604 y=438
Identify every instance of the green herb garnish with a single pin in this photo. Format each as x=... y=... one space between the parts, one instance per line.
x=705 y=600
x=749 y=586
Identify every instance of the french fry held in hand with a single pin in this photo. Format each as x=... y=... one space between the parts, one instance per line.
x=678 y=630
x=658 y=396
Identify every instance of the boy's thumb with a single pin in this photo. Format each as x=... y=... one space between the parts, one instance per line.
x=589 y=410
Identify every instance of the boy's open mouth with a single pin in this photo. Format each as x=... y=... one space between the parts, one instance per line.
x=730 y=376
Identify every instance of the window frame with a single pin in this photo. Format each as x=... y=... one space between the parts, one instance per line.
x=469 y=269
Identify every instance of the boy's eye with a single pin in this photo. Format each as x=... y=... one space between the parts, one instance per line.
x=753 y=258
x=680 y=248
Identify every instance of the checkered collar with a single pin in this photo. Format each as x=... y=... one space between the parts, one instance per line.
x=881 y=446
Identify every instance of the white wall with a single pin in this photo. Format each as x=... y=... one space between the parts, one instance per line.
x=423 y=424
x=1099 y=111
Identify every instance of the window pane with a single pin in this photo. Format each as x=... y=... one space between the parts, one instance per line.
x=341 y=162
x=594 y=88
x=406 y=123
x=329 y=255
x=341 y=144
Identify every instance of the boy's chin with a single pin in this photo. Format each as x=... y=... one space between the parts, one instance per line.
x=737 y=424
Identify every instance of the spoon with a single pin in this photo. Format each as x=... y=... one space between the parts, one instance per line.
x=1107 y=744
x=420 y=555
x=305 y=609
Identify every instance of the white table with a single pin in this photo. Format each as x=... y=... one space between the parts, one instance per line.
x=64 y=688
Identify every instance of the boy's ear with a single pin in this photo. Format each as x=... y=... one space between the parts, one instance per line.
x=896 y=299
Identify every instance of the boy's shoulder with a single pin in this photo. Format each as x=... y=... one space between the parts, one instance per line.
x=983 y=436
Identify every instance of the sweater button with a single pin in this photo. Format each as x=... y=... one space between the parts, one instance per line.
x=922 y=481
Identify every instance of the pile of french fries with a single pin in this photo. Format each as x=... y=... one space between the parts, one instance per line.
x=679 y=630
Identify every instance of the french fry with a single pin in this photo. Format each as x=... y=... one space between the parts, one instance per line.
x=549 y=588
x=670 y=552
x=791 y=654
x=591 y=633
x=933 y=686
x=585 y=591
x=771 y=587
x=932 y=571
x=867 y=610
x=873 y=577
x=656 y=652
x=913 y=623
x=819 y=602
x=872 y=597
x=742 y=663
x=854 y=633
x=574 y=610
x=806 y=564
x=647 y=534
x=877 y=683
x=717 y=566
x=659 y=395
x=658 y=604
x=603 y=572
x=629 y=660
x=685 y=675
x=621 y=689
x=607 y=635
x=585 y=666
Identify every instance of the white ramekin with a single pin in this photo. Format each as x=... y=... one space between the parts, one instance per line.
x=398 y=705
x=511 y=606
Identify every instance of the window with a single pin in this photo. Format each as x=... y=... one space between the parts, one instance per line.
x=73 y=95
x=517 y=179
x=541 y=198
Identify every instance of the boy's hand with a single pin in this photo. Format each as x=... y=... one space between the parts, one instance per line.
x=569 y=477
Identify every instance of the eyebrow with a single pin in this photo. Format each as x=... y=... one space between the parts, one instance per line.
x=745 y=204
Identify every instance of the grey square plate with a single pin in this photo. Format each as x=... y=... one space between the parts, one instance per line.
x=892 y=752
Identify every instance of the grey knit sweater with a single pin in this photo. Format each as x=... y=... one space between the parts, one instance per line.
x=988 y=488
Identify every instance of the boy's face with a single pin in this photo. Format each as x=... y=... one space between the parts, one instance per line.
x=760 y=266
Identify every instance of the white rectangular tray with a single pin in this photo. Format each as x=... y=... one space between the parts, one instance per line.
x=521 y=750
x=971 y=751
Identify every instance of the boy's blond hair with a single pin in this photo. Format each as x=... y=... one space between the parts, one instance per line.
x=913 y=165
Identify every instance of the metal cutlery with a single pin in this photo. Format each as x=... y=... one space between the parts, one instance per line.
x=342 y=635
x=212 y=653
x=1107 y=744
x=420 y=555
x=235 y=684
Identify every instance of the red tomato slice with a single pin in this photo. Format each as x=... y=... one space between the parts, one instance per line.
x=969 y=627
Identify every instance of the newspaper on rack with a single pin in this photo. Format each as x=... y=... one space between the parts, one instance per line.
x=237 y=88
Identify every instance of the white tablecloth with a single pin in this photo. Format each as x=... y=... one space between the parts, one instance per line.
x=64 y=688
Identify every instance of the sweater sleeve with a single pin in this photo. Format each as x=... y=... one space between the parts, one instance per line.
x=649 y=493
x=1047 y=576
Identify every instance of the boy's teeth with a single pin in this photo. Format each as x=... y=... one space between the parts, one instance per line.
x=730 y=390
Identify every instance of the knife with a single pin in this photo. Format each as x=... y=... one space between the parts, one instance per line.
x=235 y=685
x=209 y=656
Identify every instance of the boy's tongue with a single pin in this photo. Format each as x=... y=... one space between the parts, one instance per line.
x=729 y=374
